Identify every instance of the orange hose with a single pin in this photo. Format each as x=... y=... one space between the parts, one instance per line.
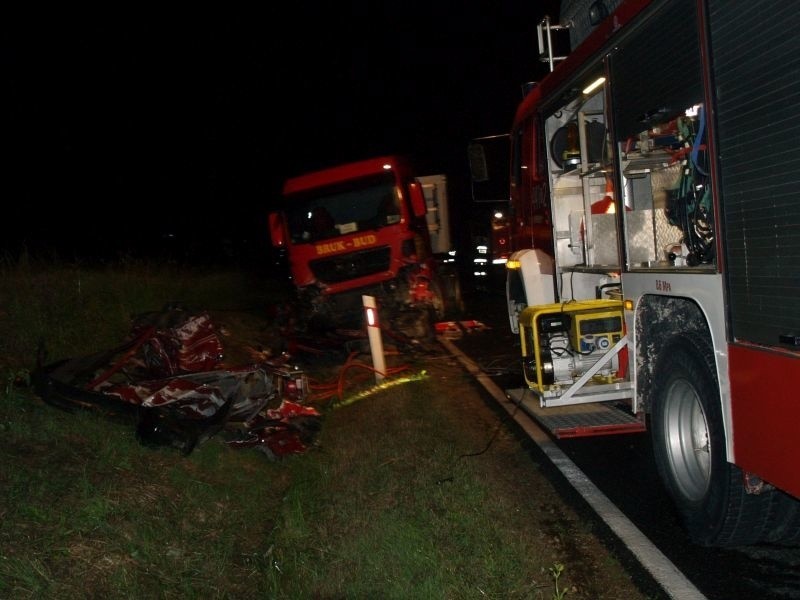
x=321 y=391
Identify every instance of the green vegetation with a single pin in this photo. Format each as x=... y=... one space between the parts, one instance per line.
x=555 y=571
x=398 y=499
x=76 y=310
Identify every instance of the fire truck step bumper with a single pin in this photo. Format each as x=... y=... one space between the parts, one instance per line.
x=579 y=420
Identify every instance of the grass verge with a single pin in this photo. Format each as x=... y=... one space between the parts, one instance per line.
x=413 y=491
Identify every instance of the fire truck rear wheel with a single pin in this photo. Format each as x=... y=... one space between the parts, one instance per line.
x=785 y=521
x=690 y=449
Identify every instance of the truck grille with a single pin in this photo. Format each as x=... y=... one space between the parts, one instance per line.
x=351 y=266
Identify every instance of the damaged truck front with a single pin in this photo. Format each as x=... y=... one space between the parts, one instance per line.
x=366 y=228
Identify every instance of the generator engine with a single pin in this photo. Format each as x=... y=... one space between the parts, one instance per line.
x=564 y=341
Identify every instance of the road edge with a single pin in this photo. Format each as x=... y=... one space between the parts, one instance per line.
x=674 y=583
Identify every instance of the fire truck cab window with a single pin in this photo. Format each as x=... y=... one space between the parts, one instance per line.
x=345 y=209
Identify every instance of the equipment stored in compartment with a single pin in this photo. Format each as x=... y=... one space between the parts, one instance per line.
x=551 y=323
x=572 y=350
x=596 y=330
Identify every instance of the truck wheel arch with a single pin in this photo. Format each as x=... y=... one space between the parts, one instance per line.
x=677 y=381
x=658 y=319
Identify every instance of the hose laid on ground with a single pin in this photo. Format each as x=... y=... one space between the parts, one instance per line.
x=334 y=389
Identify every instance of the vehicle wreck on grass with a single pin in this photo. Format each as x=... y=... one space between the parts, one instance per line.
x=167 y=377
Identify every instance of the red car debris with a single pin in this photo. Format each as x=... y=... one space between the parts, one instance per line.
x=167 y=377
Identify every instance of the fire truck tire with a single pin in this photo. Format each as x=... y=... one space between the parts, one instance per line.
x=785 y=524
x=690 y=449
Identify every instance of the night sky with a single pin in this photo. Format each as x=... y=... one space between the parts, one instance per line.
x=121 y=131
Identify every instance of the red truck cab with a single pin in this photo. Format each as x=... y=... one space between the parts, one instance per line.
x=357 y=229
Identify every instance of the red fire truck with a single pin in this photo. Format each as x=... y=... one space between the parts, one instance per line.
x=374 y=228
x=655 y=277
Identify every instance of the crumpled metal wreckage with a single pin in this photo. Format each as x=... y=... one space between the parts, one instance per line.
x=167 y=376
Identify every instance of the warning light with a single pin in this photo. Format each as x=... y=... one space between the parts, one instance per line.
x=371 y=317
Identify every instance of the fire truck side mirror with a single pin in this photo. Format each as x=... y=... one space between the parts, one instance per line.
x=418 y=204
x=276 y=230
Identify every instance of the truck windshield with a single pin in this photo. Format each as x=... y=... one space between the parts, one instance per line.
x=344 y=209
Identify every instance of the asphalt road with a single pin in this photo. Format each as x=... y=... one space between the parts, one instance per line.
x=624 y=469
